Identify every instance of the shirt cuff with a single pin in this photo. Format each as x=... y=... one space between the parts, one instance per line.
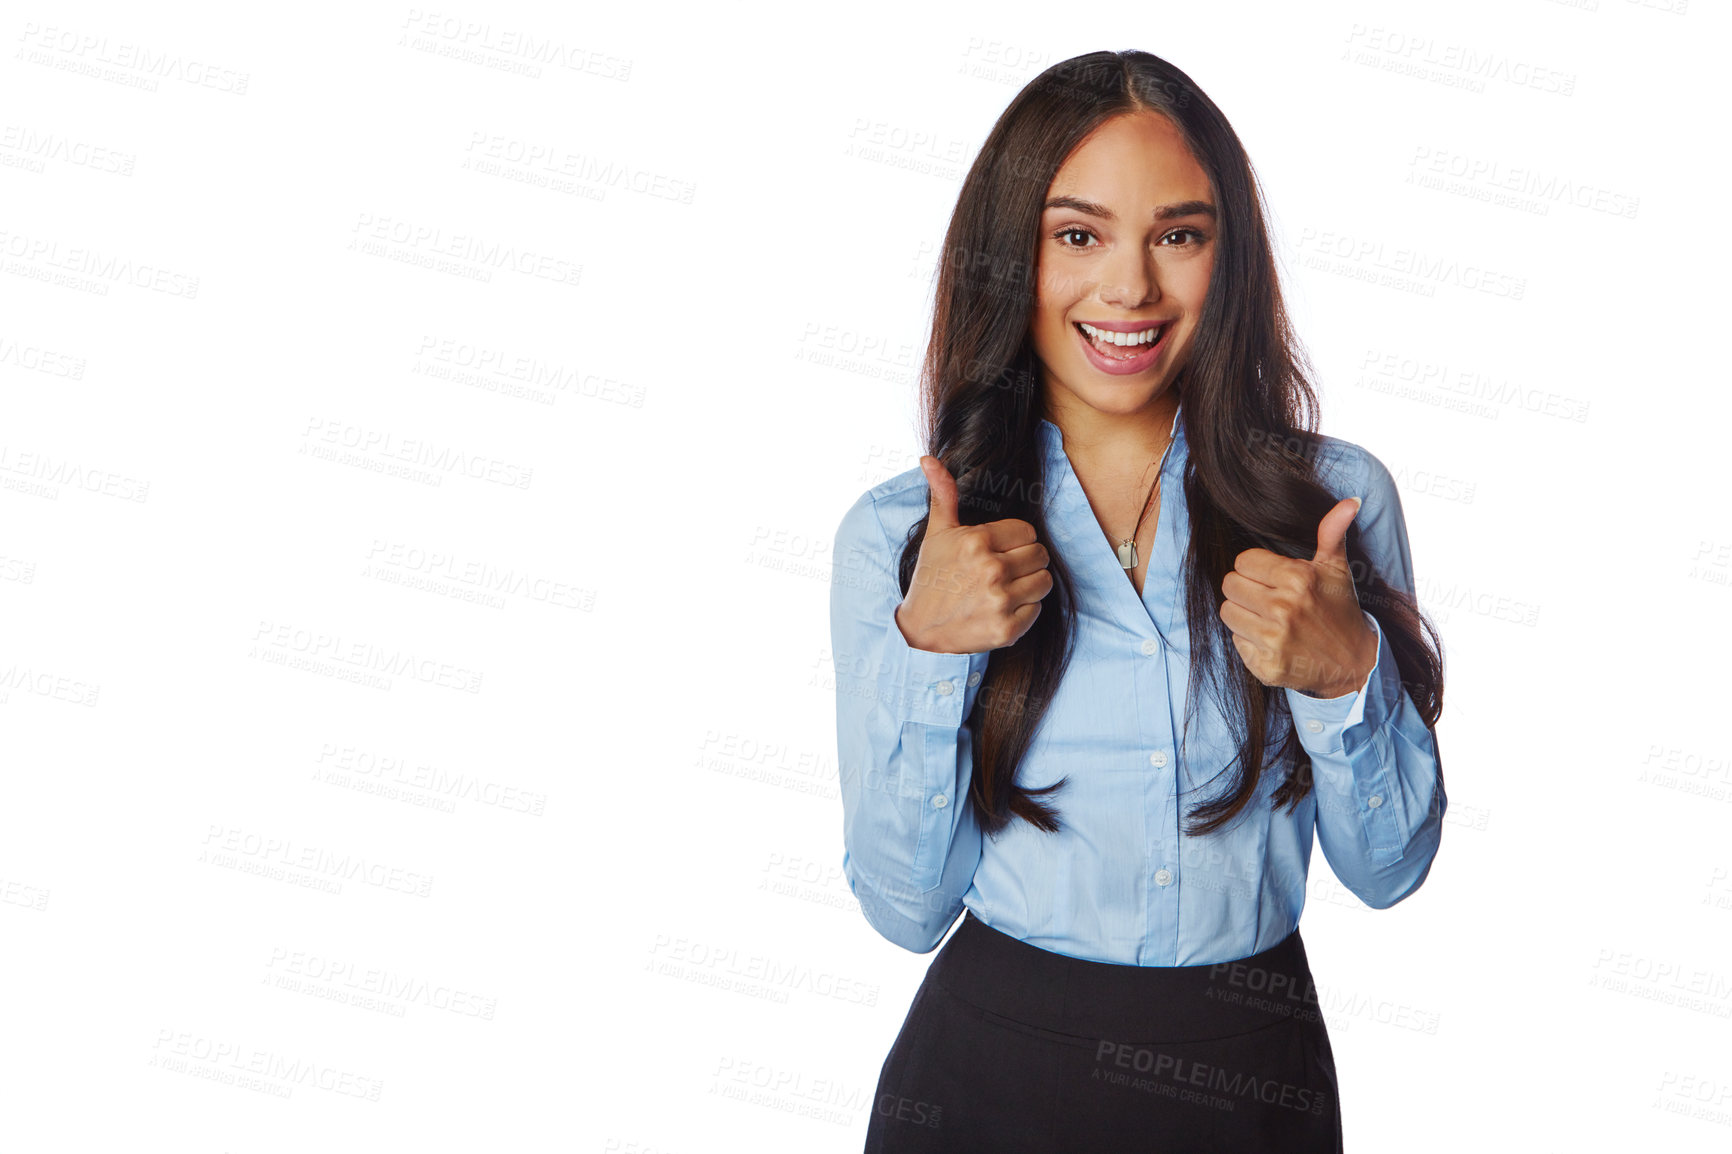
x=1323 y=722
x=927 y=687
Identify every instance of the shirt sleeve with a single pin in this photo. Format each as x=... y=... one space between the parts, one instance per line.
x=1380 y=804
x=911 y=840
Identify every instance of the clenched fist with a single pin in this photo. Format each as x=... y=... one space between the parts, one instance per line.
x=975 y=587
x=1297 y=623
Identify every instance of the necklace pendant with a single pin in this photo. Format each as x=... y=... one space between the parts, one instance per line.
x=1128 y=554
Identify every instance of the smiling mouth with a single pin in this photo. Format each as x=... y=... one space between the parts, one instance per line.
x=1106 y=343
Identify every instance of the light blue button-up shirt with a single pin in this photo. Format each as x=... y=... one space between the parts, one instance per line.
x=1119 y=882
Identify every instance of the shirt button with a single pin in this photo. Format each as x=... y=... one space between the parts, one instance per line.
x=1374 y=800
x=974 y=679
x=1163 y=877
x=939 y=801
x=1158 y=759
x=1150 y=647
x=1314 y=725
x=944 y=688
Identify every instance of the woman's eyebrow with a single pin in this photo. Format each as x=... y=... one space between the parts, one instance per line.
x=1162 y=212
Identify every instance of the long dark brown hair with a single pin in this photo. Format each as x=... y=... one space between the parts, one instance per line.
x=1249 y=416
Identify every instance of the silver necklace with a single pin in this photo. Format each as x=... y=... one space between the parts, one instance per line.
x=1127 y=549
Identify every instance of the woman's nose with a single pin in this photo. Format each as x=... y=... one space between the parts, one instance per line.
x=1129 y=282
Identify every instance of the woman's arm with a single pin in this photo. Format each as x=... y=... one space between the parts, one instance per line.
x=910 y=835
x=1380 y=805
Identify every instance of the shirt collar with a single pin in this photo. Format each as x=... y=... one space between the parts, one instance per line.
x=1094 y=566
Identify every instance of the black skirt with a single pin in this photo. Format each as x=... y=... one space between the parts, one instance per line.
x=1009 y=1047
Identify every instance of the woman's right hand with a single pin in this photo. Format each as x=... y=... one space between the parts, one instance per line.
x=975 y=587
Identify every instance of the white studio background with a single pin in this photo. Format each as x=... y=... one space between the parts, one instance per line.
x=423 y=435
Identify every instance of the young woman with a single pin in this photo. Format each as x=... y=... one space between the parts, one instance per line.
x=1128 y=636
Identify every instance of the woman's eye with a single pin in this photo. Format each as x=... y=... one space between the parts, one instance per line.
x=1062 y=234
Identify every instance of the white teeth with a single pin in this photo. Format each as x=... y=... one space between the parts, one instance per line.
x=1106 y=337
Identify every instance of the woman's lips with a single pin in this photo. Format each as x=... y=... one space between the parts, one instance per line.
x=1119 y=367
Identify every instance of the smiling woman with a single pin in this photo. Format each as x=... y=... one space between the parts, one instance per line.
x=1093 y=258
x=1130 y=572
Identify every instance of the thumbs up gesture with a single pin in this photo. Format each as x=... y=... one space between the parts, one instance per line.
x=975 y=587
x=1296 y=623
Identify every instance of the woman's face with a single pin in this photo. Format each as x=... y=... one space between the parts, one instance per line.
x=1126 y=242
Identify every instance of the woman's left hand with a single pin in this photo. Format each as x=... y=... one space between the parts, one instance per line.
x=1297 y=624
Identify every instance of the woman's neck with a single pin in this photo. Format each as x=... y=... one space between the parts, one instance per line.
x=1114 y=445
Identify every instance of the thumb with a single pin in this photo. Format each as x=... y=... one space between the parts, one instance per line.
x=941 y=488
x=1332 y=533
